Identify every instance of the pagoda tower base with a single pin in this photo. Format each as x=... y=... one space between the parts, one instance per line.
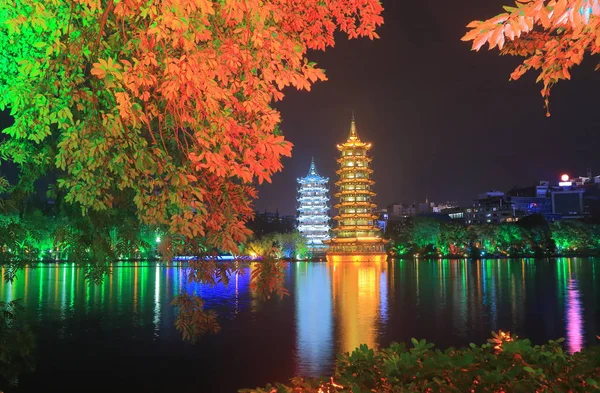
x=356 y=257
x=341 y=250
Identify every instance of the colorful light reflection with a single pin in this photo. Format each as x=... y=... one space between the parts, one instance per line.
x=574 y=318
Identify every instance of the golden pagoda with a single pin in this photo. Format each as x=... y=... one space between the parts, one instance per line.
x=356 y=237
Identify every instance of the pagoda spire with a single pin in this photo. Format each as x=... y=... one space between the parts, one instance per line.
x=312 y=171
x=353 y=134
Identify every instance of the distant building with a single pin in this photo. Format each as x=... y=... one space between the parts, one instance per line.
x=577 y=197
x=455 y=213
x=568 y=202
x=440 y=207
x=532 y=200
x=493 y=208
x=382 y=220
x=269 y=222
x=401 y=210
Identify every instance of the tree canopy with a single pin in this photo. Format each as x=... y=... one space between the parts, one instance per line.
x=163 y=105
x=552 y=35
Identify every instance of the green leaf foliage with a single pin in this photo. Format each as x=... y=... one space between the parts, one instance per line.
x=511 y=366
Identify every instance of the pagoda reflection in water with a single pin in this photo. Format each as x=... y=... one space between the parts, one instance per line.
x=359 y=302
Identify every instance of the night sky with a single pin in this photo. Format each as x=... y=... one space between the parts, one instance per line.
x=445 y=122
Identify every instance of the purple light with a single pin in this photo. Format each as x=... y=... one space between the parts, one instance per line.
x=574 y=318
x=218 y=258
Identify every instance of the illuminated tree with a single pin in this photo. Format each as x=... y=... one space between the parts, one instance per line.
x=425 y=232
x=400 y=234
x=575 y=236
x=163 y=105
x=453 y=238
x=552 y=36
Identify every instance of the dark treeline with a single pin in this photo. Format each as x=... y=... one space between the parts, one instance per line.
x=531 y=236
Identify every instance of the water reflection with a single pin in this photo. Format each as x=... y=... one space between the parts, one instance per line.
x=356 y=299
x=314 y=319
x=332 y=307
x=568 y=272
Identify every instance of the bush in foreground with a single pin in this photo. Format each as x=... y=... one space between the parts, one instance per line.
x=503 y=364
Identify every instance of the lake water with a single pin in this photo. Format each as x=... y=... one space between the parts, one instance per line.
x=120 y=336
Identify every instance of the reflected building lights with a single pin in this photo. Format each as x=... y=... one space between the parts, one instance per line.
x=40 y=304
x=237 y=294
x=315 y=345
x=156 y=319
x=574 y=318
x=383 y=297
x=357 y=290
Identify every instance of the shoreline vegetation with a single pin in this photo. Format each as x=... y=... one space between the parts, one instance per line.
x=504 y=364
x=532 y=236
x=33 y=236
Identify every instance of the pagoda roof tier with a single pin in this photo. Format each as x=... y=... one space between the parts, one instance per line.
x=317 y=185
x=313 y=176
x=355 y=216
x=362 y=158
x=351 y=169
x=354 y=192
x=355 y=204
x=355 y=180
x=316 y=198
x=305 y=188
x=350 y=205
x=361 y=239
x=353 y=144
x=356 y=228
x=320 y=217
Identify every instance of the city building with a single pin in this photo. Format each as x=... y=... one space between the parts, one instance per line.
x=402 y=210
x=577 y=197
x=441 y=207
x=313 y=218
x=356 y=233
x=455 y=213
x=571 y=198
x=382 y=220
x=268 y=222
x=532 y=200
x=492 y=207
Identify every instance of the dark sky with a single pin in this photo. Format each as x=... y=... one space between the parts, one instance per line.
x=445 y=122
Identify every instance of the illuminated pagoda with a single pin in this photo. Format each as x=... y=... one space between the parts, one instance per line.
x=313 y=220
x=356 y=234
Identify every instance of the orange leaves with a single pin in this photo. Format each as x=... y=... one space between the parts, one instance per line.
x=552 y=35
x=177 y=107
x=124 y=105
x=105 y=67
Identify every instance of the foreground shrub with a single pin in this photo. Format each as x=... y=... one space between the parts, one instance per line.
x=17 y=344
x=503 y=364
